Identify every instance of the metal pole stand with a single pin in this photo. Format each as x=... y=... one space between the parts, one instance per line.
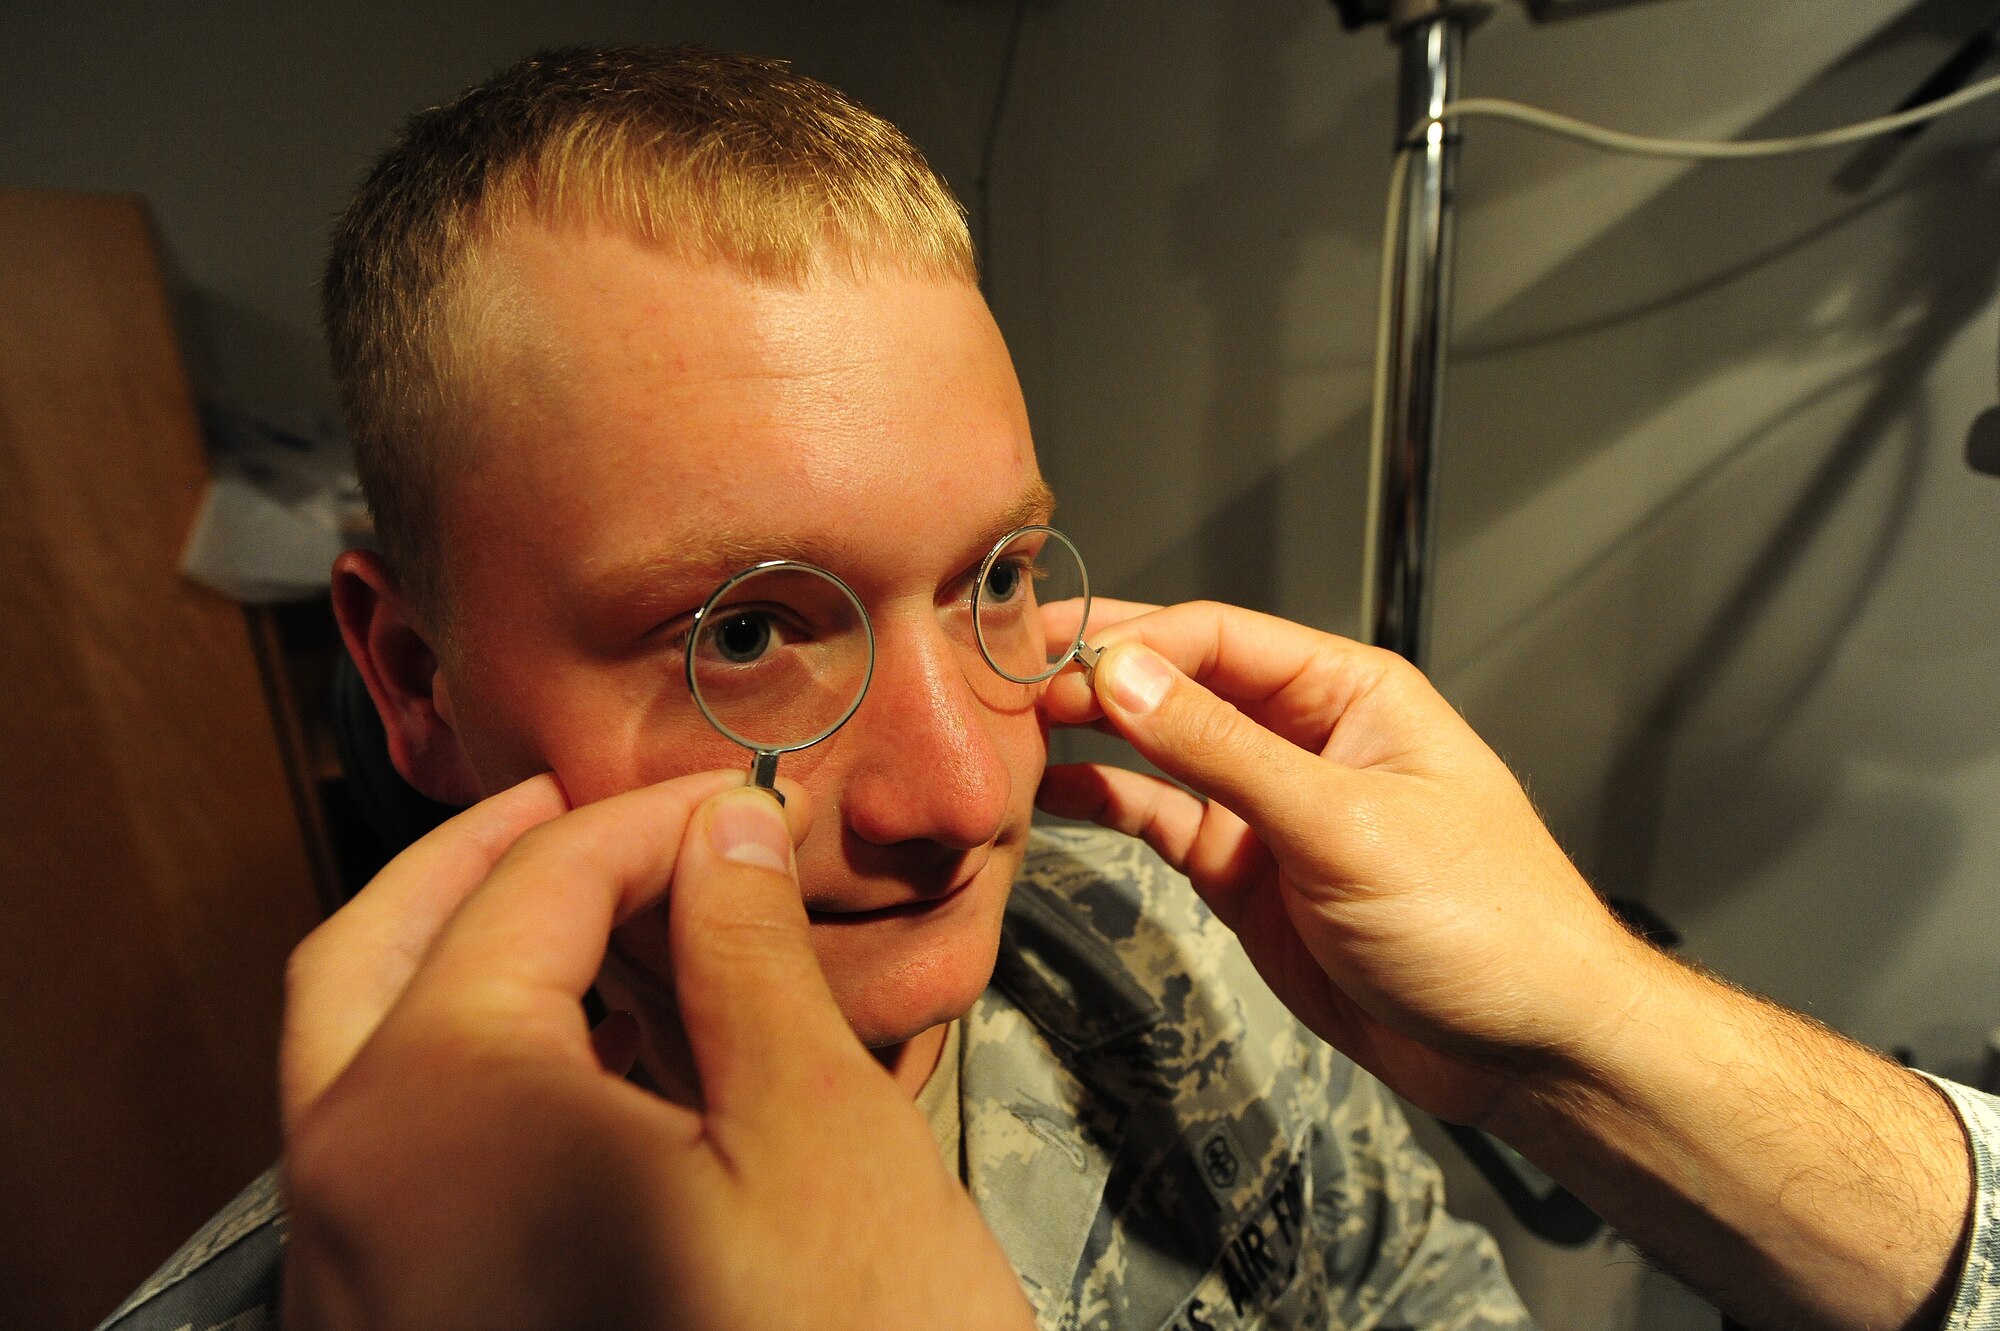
x=1431 y=36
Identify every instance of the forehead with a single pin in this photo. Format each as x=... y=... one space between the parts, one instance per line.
x=643 y=410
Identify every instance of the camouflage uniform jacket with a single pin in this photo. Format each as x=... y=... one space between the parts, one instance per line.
x=1159 y=1144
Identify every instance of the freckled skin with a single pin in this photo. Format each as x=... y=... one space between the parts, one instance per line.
x=644 y=404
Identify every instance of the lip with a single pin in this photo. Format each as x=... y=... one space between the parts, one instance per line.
x=902 y=910
x=917 y=908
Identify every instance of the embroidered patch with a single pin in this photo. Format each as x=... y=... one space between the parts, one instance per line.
x=1257 y=1263
x=1219 y=1161
x=1264 y=1255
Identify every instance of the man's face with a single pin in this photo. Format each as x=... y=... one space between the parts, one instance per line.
x=648 y=424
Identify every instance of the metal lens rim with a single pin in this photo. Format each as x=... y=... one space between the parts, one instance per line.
x=979 y=591
x=730 y=584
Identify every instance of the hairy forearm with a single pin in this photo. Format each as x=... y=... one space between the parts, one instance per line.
x=1789 y=1175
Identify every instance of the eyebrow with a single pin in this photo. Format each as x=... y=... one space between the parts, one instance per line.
x=1036 y=507
x=685 y=572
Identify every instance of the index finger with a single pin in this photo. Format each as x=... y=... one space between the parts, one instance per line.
x=1060 y=619
x=1297 y=681
x=346 y=975
x=532 y=938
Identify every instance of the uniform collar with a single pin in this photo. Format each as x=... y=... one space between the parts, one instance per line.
x=1059 y=970
x=1045 y=1104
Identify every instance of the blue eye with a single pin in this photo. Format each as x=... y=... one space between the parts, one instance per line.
x=1003 y=581
x=743 y=637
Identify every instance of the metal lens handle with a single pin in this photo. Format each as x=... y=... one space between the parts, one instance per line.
x=1078 y=650
x=763 y=754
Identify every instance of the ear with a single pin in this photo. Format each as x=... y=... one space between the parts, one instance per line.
x=394 y=654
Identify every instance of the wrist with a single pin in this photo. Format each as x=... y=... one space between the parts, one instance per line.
x=1583 y=1055
x=1756 y=1154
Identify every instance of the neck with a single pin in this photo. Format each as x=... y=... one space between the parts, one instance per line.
x=911 y=1063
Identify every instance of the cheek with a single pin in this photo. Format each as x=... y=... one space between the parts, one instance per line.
x=1023 y=742
x=601 y=737
x=1032 y=740
x=610 y=763
x=501 y=737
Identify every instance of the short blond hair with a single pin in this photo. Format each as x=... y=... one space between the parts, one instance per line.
x=708 y=155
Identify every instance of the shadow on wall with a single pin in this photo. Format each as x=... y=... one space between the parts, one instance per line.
x=1940 y=287
x=1242 y=234
x=1844 y=307
x=1724 y=386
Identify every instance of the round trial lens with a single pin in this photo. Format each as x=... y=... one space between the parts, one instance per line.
x=1033 y=567
x=779 y=658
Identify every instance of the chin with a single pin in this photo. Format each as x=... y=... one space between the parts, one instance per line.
x=884 y=1016
x=896 y=979
x=893 y=977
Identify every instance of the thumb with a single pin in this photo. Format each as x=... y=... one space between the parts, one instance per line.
x=759 y=1017
x=1204 y=742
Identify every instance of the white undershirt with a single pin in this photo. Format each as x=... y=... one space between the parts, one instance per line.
x=941 y=1106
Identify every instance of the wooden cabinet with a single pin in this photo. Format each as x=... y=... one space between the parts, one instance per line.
x=155 y=867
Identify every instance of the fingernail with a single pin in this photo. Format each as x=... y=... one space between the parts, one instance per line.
x=1140 y=677
x=747 y=827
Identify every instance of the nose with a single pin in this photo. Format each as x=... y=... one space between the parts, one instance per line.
x=928 y=768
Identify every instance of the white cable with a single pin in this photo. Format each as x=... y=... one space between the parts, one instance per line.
x=1378 y=418
x=1644 y=146
x=1638 y=145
